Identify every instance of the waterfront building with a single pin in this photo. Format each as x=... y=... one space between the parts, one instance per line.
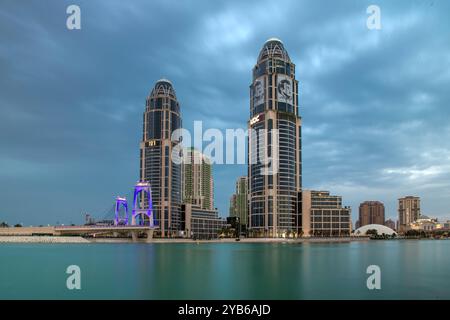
x=201 y=223
x=88 y=220
x=378 y=228
x=408 y=211
x=324 y=215
x=161 y=117
x=425 y=223
x=274 y=158
x=198 y=185
x=234 y=224
x=239 y=201
x=232 y=210
x=371 y=212
x=390 y=224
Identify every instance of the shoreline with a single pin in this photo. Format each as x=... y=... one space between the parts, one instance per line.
x=42 y=239
x=81 y=240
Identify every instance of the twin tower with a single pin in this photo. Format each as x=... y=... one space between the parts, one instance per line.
x=274 y=145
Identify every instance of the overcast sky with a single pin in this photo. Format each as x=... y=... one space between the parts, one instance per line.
x=375 y=103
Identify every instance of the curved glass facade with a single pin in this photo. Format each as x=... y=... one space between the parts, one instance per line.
x=161 y=118
x=274 y=209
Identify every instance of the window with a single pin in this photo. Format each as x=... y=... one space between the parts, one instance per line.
x=282 y=106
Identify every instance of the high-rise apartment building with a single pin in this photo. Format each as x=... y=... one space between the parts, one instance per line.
x=232 y=210
x=198 y=185
x=371 y=212
x=239 y=201
x=408 y=211
x=274 y=159
x=161 y=118
x=390 y=224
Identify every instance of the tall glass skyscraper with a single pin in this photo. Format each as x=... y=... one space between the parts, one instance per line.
x=161 y=118
x=275 y=185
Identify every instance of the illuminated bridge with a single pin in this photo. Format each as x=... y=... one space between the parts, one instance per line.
x=96 y=231
x=115 y=223
x=141 y=220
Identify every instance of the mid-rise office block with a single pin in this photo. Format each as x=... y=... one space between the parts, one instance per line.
x=324 y=215
x=201 y=223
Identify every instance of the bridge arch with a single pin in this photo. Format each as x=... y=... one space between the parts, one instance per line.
x=121 y=220
x=140 y=214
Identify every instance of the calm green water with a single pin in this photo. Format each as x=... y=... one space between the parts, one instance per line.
x=409 y=270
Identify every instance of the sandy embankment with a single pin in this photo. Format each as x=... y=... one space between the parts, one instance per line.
x=41 y=239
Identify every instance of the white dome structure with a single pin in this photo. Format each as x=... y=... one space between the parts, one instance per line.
x=380 y=230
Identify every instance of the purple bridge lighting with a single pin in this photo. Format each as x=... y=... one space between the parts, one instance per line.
x=121 y=220
x=138 y=211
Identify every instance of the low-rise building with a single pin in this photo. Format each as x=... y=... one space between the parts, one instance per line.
x=374 y=229
x=324 y=215
x=425 y=223
x=201 y=223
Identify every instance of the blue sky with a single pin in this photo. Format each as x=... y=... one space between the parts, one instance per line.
x=375 y=103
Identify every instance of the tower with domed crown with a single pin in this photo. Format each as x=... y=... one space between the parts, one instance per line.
x=274 y=158
x=161 y=117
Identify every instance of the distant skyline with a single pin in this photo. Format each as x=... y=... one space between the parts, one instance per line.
x=374 y=103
